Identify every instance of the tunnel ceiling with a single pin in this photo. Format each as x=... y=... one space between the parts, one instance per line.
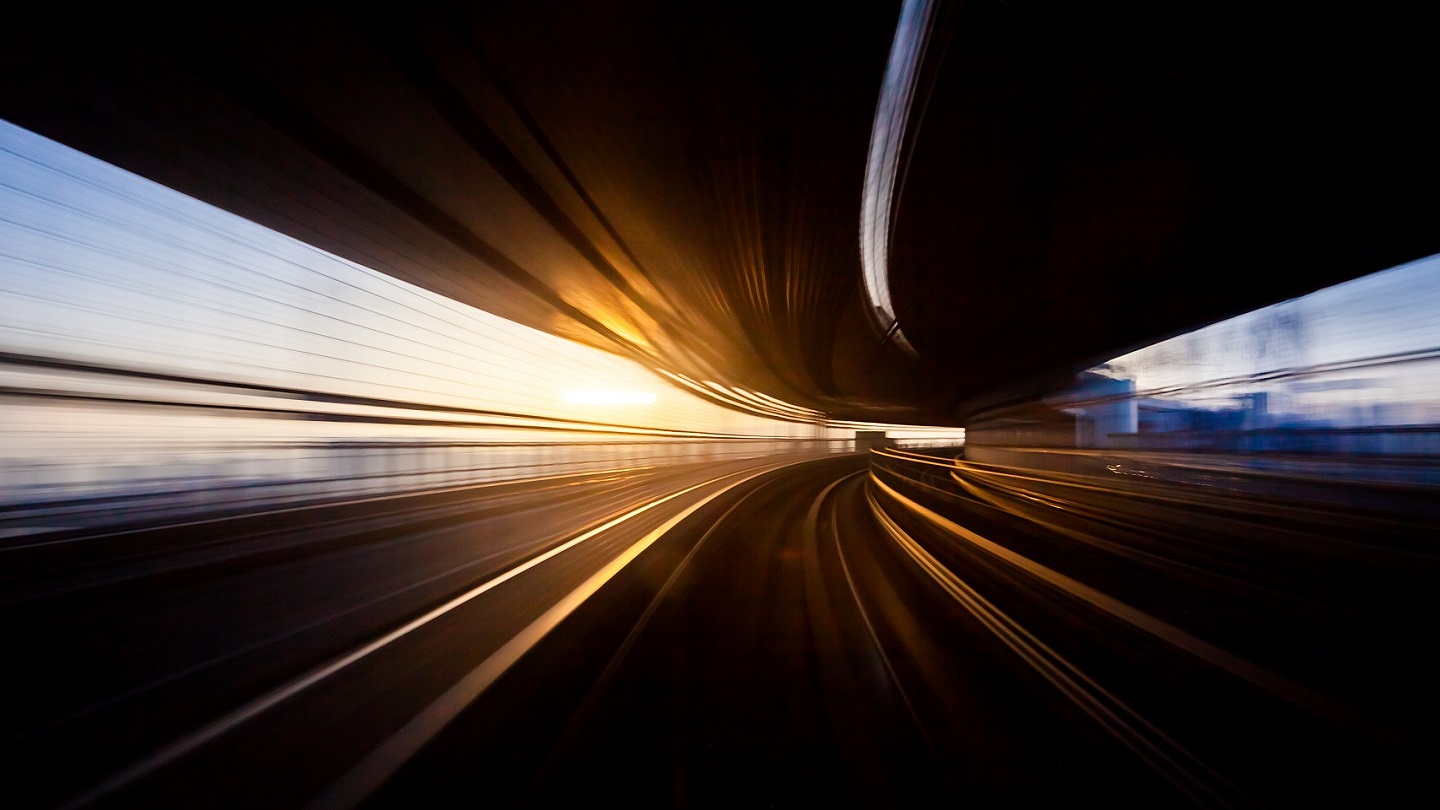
x=682 y=182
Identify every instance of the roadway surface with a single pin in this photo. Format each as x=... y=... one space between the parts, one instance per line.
x=784 y=632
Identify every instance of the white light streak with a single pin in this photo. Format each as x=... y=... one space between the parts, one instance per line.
x=886 y=141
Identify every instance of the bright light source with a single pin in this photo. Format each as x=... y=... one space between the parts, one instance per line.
x=609 y=398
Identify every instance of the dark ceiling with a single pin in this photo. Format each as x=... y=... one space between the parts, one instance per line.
x=682 y=182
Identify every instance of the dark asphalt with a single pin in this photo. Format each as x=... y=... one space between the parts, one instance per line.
x=806 y=635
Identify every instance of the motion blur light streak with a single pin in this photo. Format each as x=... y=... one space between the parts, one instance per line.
x=156 y=346
x=609 y=398
x=883 y=169
x=410 y=405
x=1191 y=777
x=367 y=775
x=209 y=295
